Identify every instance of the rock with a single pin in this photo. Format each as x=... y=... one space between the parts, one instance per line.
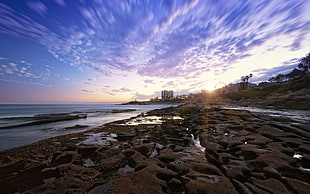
x=66 y=157
x=124 y=136
x=50 y=172
x=150 y=179
x=125 y=169
x=210 y=184
x=255 y=189
x=7 y=159
x=206 y=168
x=224 y=158
x=236 y=170
x=297 y=185
x=166 y=156
x=76 y=170
x=23 y=180
x=136 y=159
x=112 y=163
x=272 y=185
x=241 y=188
x=86 y=151
x=12 y=167
x=145 y=149
x=175 y=185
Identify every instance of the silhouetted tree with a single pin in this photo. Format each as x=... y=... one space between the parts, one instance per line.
x=245 y=81
x=295 y=74
x=280 y=78
x=272 y=79
x=305 y=63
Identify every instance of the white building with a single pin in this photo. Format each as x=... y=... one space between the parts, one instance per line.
x=167 y=95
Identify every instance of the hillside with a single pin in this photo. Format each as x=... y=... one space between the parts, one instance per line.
x=293 y=94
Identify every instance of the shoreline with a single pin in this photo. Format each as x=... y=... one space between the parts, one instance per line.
x=239 y=152
x=49 y=121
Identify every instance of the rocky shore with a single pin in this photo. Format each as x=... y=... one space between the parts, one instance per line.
x=193 y=148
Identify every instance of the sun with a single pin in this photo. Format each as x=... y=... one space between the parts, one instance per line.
x=210 y=87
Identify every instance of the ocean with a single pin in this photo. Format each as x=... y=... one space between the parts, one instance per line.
x=22 y=124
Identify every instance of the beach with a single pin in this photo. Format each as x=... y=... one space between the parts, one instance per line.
x=192 y=148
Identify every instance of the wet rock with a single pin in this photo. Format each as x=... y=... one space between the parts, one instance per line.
x=86 y=151
x=124 y=136
x=206 y=168
x=134 y=158
x=66 y=184
x=112 y=163
x=272 y=185
x=7 y=159
x=50 y=172
x=297 y=186
x=150 y=179
x=23 y=180
x=241 y=188
x=149 y=162
x=145 y=149
x=12 y=167
x=175 y=185
x=166 y=156
x=210 y=184
x=236 y=170
x=66 y=157
x=224 y=158
x=292 y=172
x=125 y=169
x=255 y=189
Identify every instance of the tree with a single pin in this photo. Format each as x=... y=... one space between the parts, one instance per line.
x=305 y=63
x=245 y=81
x=295 y=74
x=280 y=78
x=272 y=79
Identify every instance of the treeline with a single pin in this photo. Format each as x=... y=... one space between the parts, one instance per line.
x=301 y=70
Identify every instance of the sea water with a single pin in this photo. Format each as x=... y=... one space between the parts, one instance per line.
x=96 y=114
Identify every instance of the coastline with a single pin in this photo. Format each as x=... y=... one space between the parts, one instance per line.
x=239 y=152
x=21 y=125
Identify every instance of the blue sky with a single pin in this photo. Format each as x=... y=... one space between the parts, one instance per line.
x=99 y=50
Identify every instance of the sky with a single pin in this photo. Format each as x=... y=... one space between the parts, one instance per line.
x=120 y=50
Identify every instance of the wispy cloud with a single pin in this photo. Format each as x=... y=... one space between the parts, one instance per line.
x=167 y=39
x=121 y=90
x=15 y=70
x=87 y=91
x=60 y=2
x=37 y=7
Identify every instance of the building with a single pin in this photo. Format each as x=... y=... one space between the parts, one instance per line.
x=166 y=95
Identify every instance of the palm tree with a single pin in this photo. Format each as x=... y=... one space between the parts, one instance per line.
x=251 y=75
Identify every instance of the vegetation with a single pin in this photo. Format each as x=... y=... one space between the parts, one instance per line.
x=245 y=81
x=282 y=90
x=304 y=66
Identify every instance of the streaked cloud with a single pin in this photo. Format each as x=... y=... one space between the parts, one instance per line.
x=165 y=43
x=61 y=2
x=37 y=7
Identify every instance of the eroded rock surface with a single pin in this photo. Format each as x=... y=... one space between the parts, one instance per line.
x=243 y=152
